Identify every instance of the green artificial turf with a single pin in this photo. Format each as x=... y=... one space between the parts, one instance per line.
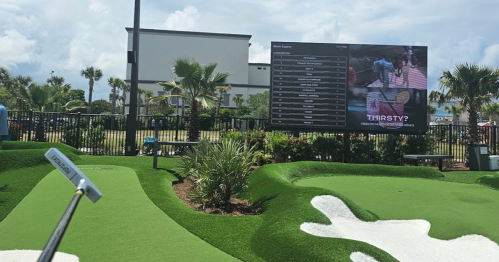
x=453 y=209
x=272 y=236
x=124 y=225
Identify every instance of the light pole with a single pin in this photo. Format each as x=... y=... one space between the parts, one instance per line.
x=131 y=128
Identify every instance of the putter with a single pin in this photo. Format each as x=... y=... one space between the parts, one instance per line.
x=83 y=187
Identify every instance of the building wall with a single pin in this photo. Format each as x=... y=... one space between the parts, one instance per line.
x=259 y=74
x=160 y=48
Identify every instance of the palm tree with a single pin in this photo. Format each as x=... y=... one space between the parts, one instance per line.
x=115 y=83
x=473 y=86
x=492 y=111
x=239 y=100
x=125 y=88
x=140 y=91
x=456 y=112
x=430 y=110
x=199 y=83
x=148 y=95
x=59 y=81
x=221 y=91
x=42 y=97
x=92 y=74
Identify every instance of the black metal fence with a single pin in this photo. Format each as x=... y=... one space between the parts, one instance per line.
x=105 y=134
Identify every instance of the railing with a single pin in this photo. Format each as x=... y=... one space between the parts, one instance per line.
x=105 y=134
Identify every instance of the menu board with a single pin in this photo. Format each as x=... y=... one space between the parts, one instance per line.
x=317 y=86
x=309 y=85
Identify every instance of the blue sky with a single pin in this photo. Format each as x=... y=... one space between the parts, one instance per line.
x=65 y=36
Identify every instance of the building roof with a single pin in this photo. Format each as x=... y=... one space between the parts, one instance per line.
x=158 y=31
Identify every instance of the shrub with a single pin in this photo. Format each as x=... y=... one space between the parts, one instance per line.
x=329 y=148
x=206 y=122
x=72 y=135
x=15 y=132
x=277 y=142
x=392 y=150
x=420 y=144
x=255 y=138
x=94 y=137
x=362 y=150
x=98 y=121
x=217 y=171
x=260 y=158
x=299 y=149
x=232 y=134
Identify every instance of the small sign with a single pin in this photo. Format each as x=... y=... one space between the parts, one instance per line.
x=483 y=150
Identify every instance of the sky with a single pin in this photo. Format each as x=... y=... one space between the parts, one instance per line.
x=65 y=36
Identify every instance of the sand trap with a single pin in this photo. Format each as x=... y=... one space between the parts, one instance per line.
x=406 y=240
x=33 y=255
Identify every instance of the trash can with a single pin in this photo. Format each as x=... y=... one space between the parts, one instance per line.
x=479 y=157
x=494 y=162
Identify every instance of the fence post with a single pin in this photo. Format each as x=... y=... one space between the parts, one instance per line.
x=176 y=128
x=494 y=138
x=78 y=130
x=450 y=139
x=346 y=146
x=30 y=126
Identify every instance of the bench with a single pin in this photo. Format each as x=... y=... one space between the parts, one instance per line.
x=156 y=145
x=439 y=157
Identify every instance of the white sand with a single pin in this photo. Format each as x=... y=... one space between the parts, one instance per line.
x=33 y=255
x=406 y=240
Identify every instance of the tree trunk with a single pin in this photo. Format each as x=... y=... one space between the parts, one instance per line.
x=90 y=89
x=193 y=127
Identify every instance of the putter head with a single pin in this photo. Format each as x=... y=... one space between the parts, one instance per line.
x=59 y=160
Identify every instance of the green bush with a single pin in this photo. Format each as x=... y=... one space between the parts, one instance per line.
x=392 y=149
x=255 y=138
x=299 y=149
x=277 y=142
x=232 y=134
x=72 y=135
x=420 y=144
x=15 y=132
x=206 y=122
x=218 y=171
x=260 y=158
x=362 y=150
x=98 y=121
x=329 y=148
x=94 y=137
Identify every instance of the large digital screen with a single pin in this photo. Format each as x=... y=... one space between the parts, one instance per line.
x=317 y=86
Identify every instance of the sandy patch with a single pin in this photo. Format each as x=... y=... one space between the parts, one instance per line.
x=33 y=255
x=406 y=240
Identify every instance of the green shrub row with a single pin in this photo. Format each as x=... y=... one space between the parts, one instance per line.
x=360 y=148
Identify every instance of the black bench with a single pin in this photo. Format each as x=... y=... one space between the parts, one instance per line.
x=439 y=157
x=156 y=145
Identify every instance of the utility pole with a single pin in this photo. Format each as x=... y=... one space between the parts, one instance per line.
x=133 y=58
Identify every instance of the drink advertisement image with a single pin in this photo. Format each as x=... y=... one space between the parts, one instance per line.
x=387 y=88
x=331 y=87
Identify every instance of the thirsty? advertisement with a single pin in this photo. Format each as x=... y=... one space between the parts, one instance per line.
x=381 y=88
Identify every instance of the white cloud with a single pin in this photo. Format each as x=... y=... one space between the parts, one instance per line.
x=183 y=20
x=326 y=33
x=97 y=7
x=491 y=56
x=259 y=54
x=16 y=48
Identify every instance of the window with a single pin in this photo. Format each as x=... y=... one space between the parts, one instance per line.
x=161 y=93
x=226 y=100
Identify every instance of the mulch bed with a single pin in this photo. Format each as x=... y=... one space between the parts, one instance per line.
x=239 y=207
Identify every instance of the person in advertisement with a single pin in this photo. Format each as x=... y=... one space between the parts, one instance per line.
x=383 y=68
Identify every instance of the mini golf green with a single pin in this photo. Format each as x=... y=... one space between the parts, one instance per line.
x=453 y=209
x=124 y=225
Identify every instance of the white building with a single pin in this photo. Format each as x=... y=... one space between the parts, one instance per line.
x=158 y=49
